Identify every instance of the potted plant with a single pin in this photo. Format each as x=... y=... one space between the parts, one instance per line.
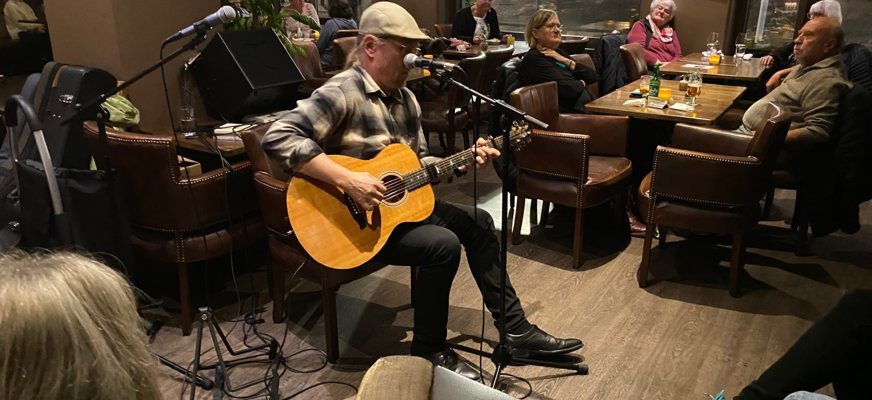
x=253 y=14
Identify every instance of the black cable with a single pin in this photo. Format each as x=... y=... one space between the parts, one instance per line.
x=529 y=385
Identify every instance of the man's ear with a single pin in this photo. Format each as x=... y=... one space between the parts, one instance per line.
x=369 y=45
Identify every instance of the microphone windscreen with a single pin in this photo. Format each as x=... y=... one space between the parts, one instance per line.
x=227 y=14
x=409 y=60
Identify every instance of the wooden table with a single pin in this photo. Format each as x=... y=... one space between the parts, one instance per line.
x=713 y=102
x=745 y=70
x=475 y=50
x=606 y=26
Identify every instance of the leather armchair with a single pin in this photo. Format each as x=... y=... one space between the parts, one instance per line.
x=711 y=181
x=587 y=61
x=177 y=218
x=581 y=162
x=450 y=112
x=634 y=61
x=310 y=65
x=442 y=30
x=346 y=33
x=342 y=49
x=574 y=45
x=285 y=252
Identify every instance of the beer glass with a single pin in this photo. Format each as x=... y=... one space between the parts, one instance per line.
x=694 y=87
x=644 y=84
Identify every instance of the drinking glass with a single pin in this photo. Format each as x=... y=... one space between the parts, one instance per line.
x=644 y=84
x=665 y=94
x=713 y=43
x=740 y=47
x=694 y=87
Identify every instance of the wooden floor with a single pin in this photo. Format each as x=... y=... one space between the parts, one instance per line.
x=677 y=339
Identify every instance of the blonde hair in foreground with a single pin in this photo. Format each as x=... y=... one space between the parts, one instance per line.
x=69 y=330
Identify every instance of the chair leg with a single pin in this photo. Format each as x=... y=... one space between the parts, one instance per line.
x=519 y=219
x=578 y=238
x=466 y=141
x=737 y=262
x=543 y=219
x=185 y=299
x=642 y=272
x=663 y=233
x=331 y=330
x=278 y=292
x=767 y=202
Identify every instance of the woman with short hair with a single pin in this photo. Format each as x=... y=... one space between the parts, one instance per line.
x=340 y=18
x=656 y=34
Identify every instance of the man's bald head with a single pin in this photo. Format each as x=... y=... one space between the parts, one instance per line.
x=818 y=39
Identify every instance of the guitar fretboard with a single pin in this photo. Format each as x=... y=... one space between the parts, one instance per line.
x=445 y=166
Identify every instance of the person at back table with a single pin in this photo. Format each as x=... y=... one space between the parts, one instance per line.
x=300 y=7
x=782 y=58
x=70 y=331
x=470 y=24
x=358 y=113
x=545 y=62
x=340 y=18
x=810 y=91
x=656 y=34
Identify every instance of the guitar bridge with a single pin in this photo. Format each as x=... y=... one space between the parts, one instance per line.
x=355 y=212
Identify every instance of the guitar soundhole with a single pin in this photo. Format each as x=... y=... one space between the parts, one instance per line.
x=396 y=189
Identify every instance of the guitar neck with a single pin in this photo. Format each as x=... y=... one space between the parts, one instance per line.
x=445 y=166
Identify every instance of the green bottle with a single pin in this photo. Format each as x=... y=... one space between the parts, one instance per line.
x=654 y=87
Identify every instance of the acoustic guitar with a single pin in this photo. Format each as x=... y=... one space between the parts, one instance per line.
x=339 y=234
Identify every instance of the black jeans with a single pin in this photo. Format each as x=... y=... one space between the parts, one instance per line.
x=432 y=247
x=834 y=350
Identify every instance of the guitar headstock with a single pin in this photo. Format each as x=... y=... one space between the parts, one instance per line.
x=519 y=135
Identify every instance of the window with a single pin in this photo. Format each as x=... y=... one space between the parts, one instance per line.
x=770 y=23
x=855 y=21
x=579 y=17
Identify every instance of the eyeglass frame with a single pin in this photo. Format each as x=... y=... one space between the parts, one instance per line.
x=551 y=28
x=663 y=9
x=403 y=48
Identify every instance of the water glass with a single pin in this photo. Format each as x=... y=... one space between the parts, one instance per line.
x=740 y=47
x=187 y=122
x=644 y=84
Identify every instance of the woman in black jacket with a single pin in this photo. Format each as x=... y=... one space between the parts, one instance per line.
x=470 y=22
x=545 y=63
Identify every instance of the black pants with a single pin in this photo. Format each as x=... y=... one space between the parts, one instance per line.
x=432 y=247
x=834 y=350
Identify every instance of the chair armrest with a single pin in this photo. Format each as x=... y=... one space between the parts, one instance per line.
x=273 y=206
x=556 y=154
x=215 y=195
x=714 y=179
x=710 y=140
x=608 y=133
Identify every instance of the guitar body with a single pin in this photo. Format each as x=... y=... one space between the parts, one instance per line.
x=324 y=222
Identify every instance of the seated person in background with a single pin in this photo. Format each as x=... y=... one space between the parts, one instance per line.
x=16 y=11
x=358 y=113
x=340 y=18
x=656 y=34
x=545 y=62
x=834 y=350
x=810 y=91
x=782 y=58
x=300 y=7
x=70 y=331
x=475 y=23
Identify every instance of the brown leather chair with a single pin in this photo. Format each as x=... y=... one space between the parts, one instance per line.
x=345 y=33
x=711 y=181
x=587 y=61
x=492 y=61
x=176 y=218
x=634 y=61
x=442 y=30
x=342 y=49
x=310 y=64
x=449 y=113
x=574 y=45
x=285 y=252
x=580 y=162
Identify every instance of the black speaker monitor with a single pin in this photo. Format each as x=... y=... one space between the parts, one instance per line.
x=246 y=72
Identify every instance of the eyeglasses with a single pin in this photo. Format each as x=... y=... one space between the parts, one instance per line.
x=664 y=10
x=403 y=49
x=553 y=27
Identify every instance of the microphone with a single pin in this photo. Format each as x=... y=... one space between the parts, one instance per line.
x=222 y=16
x=412 y=61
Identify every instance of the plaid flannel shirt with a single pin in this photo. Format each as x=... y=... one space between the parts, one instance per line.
x=349 y=115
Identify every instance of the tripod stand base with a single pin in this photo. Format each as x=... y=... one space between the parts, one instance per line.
x=502 y=357
x=202 y=382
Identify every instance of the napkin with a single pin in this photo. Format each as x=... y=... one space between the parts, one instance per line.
x=635 y=103
x=747 y=56
x=681 y=107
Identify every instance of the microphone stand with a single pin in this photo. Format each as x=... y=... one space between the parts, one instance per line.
x=502 y=355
